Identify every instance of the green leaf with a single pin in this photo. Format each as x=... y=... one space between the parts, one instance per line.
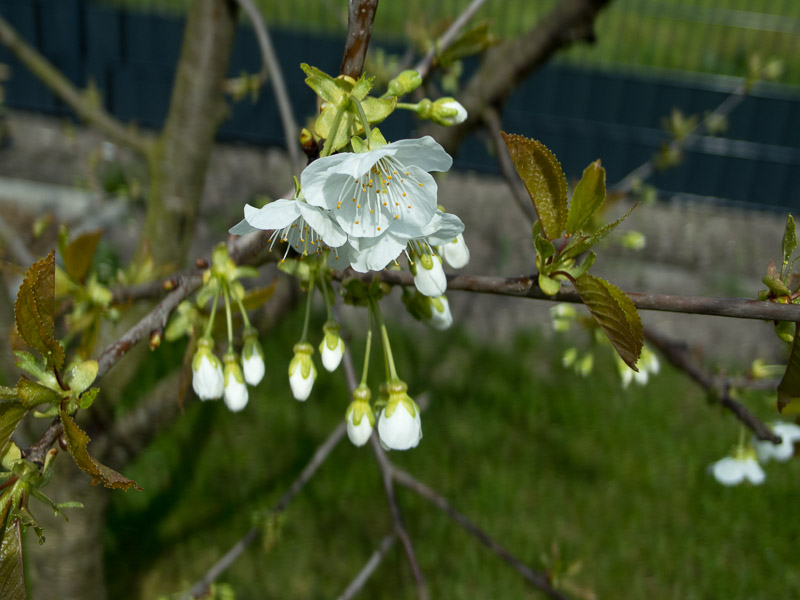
x=34 y=310
x=7 y=393
x=12 y=579
x=80 y=376
x=789 y=387
x=544 y=247
x=257 y=297
x=544 y=179
x=789 y=242
x=11 y=414
x=470 y=42
x=548 y=285
x=87 y=398
x=579 y=245
x=323 y=84
x=32 y=394
x=615 y=314
x=589 y=195
x=78 y=254
x=776 y=285
x=77 y=440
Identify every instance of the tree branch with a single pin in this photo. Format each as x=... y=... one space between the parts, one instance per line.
x=447 y=38
x=387 y=470
x=273 y=68
x=366 y=572
x=360 y=16
x=506 y=64
x=535 y=578
x=84 y=105
x=678 y=356
x=526 y=287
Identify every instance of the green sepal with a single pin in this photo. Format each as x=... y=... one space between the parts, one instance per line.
x=359 y=145
x=362 y=87
x=583 y=268
x=776 y=285
x=323 y=84
x=549 y=285
x=789 y=242
x=206 y=293
x=588 y=197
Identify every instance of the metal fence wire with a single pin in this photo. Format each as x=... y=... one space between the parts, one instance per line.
x=604 y=100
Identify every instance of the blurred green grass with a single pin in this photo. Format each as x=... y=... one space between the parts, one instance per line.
x=614 y=479
x=706 y=36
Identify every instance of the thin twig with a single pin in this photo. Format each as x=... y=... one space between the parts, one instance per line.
x=397 y=519
x=273 y=68
x=360 y=17
x=535 y=578
x=79 y=101
x=526 y=286
x=368 y=569
x=679 y=357
x=447 y=38
x=518 y=192
x=646 y=169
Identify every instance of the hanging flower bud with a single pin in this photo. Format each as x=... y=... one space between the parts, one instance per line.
x=399 y=425
x=207 y=380
x=302 y=372
x=405 y=83
x=441 y=317
x=359 y=416
x=429 y=277
x=455 y=253
x=733 y=470
x=332 y=346
x=252 y=358
x=448 y=111
x=235 y=390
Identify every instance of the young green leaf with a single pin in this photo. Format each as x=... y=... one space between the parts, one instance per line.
x=789 y=387
x=323 y=84
x=77 y=440
x=789 y=242
x=616 y=315
x=12 y=579
x=32 y=394
x=11 y=414
x=549 y=285
x=34 y=310
x=589 y=195
x=78 y=254
x=544 y=179
x=579 y=245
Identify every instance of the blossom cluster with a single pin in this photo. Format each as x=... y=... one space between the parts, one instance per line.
x=744 y=464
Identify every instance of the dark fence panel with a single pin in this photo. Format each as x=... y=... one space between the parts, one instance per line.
x=581 y=113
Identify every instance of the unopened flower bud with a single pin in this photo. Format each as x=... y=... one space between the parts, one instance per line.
x=236 y=395
x=399 y=425
x=302 y=372
x=448 y=111
x=207 y=378
x=441 y=317
x=155 y=338
x=332 y=346
x=455 y=253
x=429 y=277
x=405 y=83
x=252 y=358
x=359 y=416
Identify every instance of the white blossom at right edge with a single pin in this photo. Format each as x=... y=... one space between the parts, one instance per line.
x=789 y=434
x=455 y=253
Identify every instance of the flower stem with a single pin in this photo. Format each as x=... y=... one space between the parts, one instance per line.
x=304 y=337
x=228 y=316
x=210 y=324
x=407 y=106
x=245 y=318
x=387 y=347
x=327 y=148
x=363 y=116
x=367 y=351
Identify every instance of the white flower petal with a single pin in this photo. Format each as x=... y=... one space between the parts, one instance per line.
x=253 y=369
x=323 y=224
x=752 y=471
x=332 y=358
x=441 y=320
x=301 y=386
x=789 y=434
x=242 y=228
x=358 y=434
x=374 y=254
x=275 y=215
x=455 y=253
x=208 y=381
x=728 y=471
x=424 y=152
x=236 y=395
x=401 y=431
x=431 y=282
